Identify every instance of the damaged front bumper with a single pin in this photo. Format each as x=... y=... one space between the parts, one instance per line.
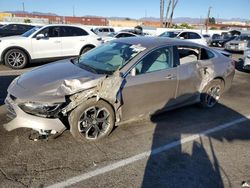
x=17 y=118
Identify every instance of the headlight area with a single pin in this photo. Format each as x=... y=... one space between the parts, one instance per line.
x=41 y=110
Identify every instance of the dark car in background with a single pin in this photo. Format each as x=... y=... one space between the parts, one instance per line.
x=14 y=29
x=220 y=42
x=170 y=34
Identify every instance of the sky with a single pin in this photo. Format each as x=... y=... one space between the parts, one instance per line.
x=132 y=8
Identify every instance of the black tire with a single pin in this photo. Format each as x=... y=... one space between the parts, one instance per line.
x=212 y=93
x=85 y=49
x=16 y=59
x=83 y=125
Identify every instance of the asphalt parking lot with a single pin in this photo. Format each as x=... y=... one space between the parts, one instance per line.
x=188 y=147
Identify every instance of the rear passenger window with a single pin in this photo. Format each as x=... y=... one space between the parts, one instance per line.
x=194 y=36
x=73 y=31
x=188 y=54
x=206 y=54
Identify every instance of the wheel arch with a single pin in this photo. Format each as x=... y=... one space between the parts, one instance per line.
x=85 y=46
x=15 y=47
x=222 y=79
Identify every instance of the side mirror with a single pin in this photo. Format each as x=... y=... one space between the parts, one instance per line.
x=182 y=38
x=40 y=36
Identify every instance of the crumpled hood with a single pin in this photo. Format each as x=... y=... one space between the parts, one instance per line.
x=53 y=82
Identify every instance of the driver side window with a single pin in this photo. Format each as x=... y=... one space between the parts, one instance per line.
x=50 y=32
x=157 y=60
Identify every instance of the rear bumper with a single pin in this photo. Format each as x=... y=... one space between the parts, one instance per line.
x=17 y=118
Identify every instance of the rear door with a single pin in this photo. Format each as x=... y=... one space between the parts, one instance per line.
x=151 y=85
x=73 y=39
x=194 y=66
x=49 y=46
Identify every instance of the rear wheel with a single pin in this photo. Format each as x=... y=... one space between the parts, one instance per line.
x=212 y=93
x=16 y=59
x=92 y=120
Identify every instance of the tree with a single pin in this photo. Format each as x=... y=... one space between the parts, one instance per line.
x=211 y=20
x=27 y=21
x=168 y=7
x=174 y=3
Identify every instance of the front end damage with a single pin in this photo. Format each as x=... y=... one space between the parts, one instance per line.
x=47 y=119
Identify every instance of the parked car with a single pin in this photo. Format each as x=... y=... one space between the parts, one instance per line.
x=103 y=31
x=220 y=42
x=207 y=37
x=170 y=34
x=14 y=29
x=239 y=44
x=246 y=57
x=49 y=42
x=117 y=82
x=186 y=35
x=118 y=35
x=213 y=37
x=192 y=37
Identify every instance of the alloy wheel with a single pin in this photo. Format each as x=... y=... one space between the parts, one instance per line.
x=94 y=122
x=16 y=59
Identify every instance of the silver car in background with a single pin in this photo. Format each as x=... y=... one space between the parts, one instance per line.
x=120 y=81
x=246 y=57
x=239 y=44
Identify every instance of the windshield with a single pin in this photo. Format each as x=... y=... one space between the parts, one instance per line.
x=109 y=57
x=30 y=32
x=169 y=34
x=7 y=27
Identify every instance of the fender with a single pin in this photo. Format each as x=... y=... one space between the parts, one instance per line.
x=15 y=47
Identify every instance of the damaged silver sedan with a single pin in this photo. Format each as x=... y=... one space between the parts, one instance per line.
x=118 y=82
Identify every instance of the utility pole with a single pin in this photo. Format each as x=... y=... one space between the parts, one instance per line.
x=23 y=7
x=73 y=11
x=208 y=16
x=161 y=11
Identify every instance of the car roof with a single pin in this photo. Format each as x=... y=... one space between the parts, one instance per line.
x=152 y=42
x=79 y=26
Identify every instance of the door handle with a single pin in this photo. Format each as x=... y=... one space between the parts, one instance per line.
x=57 y=41
x=170 y=77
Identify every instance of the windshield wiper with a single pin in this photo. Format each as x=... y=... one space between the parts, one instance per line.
x=87 y=67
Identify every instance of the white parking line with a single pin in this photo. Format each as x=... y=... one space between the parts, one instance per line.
x=144 y=155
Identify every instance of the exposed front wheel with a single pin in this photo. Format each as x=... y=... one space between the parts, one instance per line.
x=92 y=120
x=16 y=59
x=212 y=93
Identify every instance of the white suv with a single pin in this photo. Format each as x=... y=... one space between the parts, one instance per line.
x=192 y=37
x=47 y=42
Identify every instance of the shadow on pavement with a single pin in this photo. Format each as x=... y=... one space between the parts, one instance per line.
x=199 y=166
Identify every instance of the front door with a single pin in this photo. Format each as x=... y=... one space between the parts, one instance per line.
x=49 y=46
x=152 y=86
